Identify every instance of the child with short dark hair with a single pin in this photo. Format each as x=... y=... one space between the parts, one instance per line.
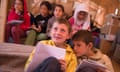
x=59 y=33
x=58 y=12
x=84 y=49
x=38 y=31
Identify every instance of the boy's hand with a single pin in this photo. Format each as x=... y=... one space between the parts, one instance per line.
x=100 y=70
x=63 y=65
x=37 y=29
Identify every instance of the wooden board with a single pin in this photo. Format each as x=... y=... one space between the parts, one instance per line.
x=13 y=57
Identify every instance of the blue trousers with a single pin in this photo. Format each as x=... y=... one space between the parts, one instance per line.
x=51 y=64
x=86 y=69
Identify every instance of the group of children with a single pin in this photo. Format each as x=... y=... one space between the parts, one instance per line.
x=58 y=30
x=37 y=28
x=83 y=49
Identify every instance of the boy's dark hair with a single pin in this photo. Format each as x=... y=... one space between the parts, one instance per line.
x=47 y=4
x=83 y=35
x=59 y=5
x=64 y=21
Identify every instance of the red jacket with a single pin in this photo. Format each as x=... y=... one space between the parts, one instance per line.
x=26 y=18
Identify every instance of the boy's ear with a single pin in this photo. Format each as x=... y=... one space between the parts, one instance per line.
x=90 y=45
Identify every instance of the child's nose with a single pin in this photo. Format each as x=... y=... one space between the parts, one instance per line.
x=58 y=32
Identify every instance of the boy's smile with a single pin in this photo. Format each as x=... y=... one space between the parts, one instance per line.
x=57 y=37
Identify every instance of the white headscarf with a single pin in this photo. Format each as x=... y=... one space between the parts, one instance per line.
x=78 y=8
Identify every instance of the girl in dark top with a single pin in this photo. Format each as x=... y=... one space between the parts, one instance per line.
x=38 y=30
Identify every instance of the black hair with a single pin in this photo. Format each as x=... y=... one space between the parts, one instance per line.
x=47 y=4
x=83 y=35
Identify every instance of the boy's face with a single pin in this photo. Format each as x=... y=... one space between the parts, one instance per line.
x=59 y=33
x=80 y=48
x=58 y=13
x=44 y=10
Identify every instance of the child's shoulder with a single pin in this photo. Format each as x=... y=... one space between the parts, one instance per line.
x=52 y=18
x=44 y=41
x=106 y=58
x=71 y=20
x=101 y=55
x=69 y=48
x=49 y=42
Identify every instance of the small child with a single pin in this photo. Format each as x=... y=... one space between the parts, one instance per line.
x=18 y=12
x=59 y=33
x=80 y=19
x=58 y=13
x=38 y=30
x=83 y=47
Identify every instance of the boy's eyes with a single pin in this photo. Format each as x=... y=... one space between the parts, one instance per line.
x=55 y=28
x=78 y=45
x=58 y=10
x=61 y=30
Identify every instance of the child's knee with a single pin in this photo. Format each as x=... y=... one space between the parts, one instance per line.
x=31 y=32
x=42 y=36
x=14 y=29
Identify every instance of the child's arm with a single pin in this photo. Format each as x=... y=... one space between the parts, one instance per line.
x=39 y=29
x=35 y=28
x=63 y=65
x=49 y=25
x=72 y=65
x=29 y=59
x=71 y=21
